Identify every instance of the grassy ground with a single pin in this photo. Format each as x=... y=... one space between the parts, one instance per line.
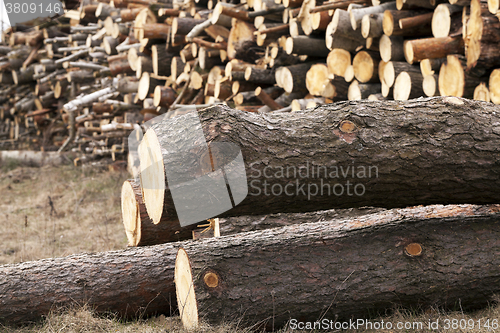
x=57 y=211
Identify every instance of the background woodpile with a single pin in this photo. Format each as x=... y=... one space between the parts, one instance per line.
x=89 y=76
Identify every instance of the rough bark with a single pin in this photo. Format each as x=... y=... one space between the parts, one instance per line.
x=451 y=160
x=343 y=269
x=132 y=283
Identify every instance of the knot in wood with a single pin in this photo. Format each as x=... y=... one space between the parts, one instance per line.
x=211 y=279
x=347 y=126
x=413 y=250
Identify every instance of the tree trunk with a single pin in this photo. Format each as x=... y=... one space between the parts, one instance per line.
x=431 y=48
x=455 y=165
x=345 y=269
x=133 y=282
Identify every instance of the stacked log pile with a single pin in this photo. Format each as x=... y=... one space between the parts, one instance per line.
x=83 y=81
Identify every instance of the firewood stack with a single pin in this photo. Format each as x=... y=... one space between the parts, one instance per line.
x=83 y=80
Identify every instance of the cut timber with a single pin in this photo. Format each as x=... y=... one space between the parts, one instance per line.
x=481 y=93
x=408 y=85
x=494 y=6
x=139 y=228
x=365 y=66
x=317 y=79
x=459 y=164
x=356 y=14
x=443 y=23
x=429 y=85
x=306 y=103
x=305 y=45
x=339 y=42
x=392 y=28
x=341 y=26
x=413 y=261
x=292 y=78
x=413 y=22
x=431 y=66
x=432 y=48
x=241 y=43
x=391 y=48
x=393 y=68
x=259 y=75
x=494 y=85
x=163 y=96
x=337 y=61
x=453 y=81
x=126 y=282
x=482 y=36
x=161 y=60
x=371 y=25
x=359 y=91
x=266 y=99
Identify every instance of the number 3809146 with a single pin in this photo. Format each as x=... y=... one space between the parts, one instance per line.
x=25 y=8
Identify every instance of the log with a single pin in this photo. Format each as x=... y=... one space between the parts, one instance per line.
x=341 y=26
x=356 y=14
x=393 y=68
x=371 y=25
x=414 y=262
x=481 y=93
x=391 y=48
x=259 y=75
x=432 y=48
x=161 y=60
x=456 y=182
x=408 y=85
x=139 y=228
x=453 y=81
x=359 y=91
x=447 y=19
x=292 y=78
x=262 y=95
x=30 y=290
x=338 y=60
x=431 y=66
x=392 y=28
x=164 y=96
x=365 y=66
x=305 y=45
x=241 y=42
x=414 y=22
x=429 y=85
x=494 y=86
x=482 y=37
x=317 y=79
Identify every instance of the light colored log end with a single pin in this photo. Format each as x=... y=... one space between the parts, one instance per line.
x=184 y=287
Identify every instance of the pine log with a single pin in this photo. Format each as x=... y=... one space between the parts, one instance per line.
x=341 y=26
x=414 y=22
x=432 y=48
x=30 y=290
x=161 y=60
x=493 y=6
x=119 y=64
x=456 y=182
x=414 y=262
x=164 y=96
x=306 y=103
x=259 y=75
x=356 y=14
x=482 y=37
x=446 y=20
x=371 y=25
x=392 y=28
x=454 y=81
x=339 y=42
x=292 y=78
x=317 y=79
x=361 y=91
x=147 y=85
x=391 y=48
x=241 y=42
x=431 y=66
x=305 y=45
x=365 y=66
x=262 y=95
x=481 y=93
x=139 y=228
x=408 y=85
x=393 y=68
x=338 y=60
x=429 y=85
x=494 y=86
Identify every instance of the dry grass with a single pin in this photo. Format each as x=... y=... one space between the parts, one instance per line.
x=85 y=216
x=54 y=212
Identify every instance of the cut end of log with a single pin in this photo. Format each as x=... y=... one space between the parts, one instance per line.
x=385 y=48
x=130 y=214
x=441 y=21
x=317 y=79
x=481 y=93
x=152 y=175
x=451 y=77
x=402 y=87
x=363 y=66
x=413 y=250
x=211 y=279
x=429 y=85
x=408 y=51
x=337 y=61
x=184 y=287
x=388 y=23
x=494 y=85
